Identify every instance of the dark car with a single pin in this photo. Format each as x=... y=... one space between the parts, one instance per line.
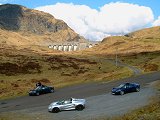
x=126 y=88
x=41 y=90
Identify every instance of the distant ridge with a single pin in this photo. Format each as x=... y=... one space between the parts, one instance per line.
x=145 y=40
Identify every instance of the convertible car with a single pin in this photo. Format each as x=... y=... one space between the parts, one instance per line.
x=126 y=88
x=41 y=90
x=72 y=104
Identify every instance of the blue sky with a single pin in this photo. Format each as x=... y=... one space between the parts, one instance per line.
x=96 y=19
x=153 y=4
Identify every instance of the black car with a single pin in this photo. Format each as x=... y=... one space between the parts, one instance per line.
x=41 y=90
x=126 y=88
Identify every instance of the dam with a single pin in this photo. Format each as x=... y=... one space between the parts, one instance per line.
x=73 y=46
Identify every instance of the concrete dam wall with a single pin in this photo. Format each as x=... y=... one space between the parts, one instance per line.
x=72 y=46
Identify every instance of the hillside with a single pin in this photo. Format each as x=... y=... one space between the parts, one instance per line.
x=20 y=26
x=140 y=49
x=146 y=40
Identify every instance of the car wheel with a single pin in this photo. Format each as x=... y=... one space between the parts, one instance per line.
x=52 y=91
x=121 y=92
x=55 y=110
x=137 y=89
x=79 y=107
x=37 y=93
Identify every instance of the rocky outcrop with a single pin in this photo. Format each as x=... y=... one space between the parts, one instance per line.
x=36 y=25
x=9 y=17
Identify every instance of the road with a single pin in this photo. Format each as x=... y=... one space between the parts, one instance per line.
x=77 y=91
x=135 y=70
x=101 y=106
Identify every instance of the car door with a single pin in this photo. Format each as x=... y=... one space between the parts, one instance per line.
x=130 y=88
x=127 y=88
x=39 y=90
x=68 y=106
x=44 y=89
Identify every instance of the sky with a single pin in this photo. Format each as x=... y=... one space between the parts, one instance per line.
x=97 y=19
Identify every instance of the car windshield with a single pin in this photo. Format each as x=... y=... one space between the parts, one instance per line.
x=64 y=102
x=38 y=88
x=120 y=86
x=60 y=102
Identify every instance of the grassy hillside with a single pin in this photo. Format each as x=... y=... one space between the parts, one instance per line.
x=149 y=33
x=146 y=61
x=146 y=40
x=140 y=49
x=21 y=68
x=19 y=71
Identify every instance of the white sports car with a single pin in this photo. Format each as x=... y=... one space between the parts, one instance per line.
x=72 y=104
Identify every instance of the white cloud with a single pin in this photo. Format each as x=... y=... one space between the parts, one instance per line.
x=110 y=19
x=156 y=22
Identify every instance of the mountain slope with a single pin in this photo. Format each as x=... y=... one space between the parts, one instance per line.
x=22 y=26
x=146 y=40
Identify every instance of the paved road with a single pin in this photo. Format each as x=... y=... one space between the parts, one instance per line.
x=78 y=91
x=103 y=106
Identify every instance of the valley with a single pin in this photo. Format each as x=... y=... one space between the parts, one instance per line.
x=91 y=73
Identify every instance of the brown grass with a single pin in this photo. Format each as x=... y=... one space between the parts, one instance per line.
x=147 y=61
x=21 y=67
x=23 y=63
x=9 y=69
x=20 y=73
x=147 y=40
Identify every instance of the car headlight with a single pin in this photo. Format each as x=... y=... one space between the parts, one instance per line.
x=118 y=90
x=50 y=107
